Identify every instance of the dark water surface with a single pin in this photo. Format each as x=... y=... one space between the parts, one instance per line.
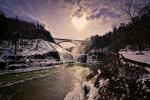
x=55 y=86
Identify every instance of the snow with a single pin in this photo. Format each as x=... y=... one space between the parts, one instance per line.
x=93 y=94
x=64 y=55
x=136 y=56
x=30 y=48
x=39 y=46
x=4 y=54
x=148 y=69
x=1 y=59
x=78 y=93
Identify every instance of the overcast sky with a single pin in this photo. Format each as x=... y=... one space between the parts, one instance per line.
x=57 y=15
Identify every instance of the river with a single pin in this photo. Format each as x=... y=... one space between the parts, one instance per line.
x=55 y=86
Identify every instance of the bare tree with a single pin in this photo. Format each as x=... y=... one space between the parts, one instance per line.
x=131 y=9
x=146 y=8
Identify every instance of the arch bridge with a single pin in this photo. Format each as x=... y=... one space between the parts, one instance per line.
x=76 y=42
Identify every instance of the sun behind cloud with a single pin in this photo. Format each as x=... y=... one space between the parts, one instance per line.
x=79 y=22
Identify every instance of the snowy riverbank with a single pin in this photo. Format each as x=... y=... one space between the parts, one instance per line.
x=31 y=55
x=86 y=91
x=143 y=57
x=21 y=70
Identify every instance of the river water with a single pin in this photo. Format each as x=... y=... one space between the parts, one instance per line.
x=55 y=86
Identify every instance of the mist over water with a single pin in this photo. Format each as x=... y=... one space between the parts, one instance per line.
x=82 y=48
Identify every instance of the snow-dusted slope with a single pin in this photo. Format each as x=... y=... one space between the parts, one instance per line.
x=39 y=46
x=135 y=55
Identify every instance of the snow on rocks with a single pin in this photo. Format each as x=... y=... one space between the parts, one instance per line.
x=85 y=92
x=93 y=92
x=79 y=93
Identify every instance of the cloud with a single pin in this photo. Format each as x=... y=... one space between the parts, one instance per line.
x=103 y=12
x=77 y=9
x=78 y=12
x=96 y=9
x=72 y=2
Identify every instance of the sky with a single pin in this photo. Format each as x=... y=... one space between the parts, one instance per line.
x=72 y=19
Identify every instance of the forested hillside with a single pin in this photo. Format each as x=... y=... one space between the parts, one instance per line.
x=14 y=28
x=135 y=34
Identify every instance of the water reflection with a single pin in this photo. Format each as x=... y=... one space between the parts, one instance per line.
x=55 y=86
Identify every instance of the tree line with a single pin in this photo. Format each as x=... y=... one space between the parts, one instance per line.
x=134 y=33
x=14 y=28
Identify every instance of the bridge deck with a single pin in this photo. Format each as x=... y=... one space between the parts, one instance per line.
x=76 y=42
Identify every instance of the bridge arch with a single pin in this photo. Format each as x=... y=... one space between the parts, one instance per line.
x=75 y=42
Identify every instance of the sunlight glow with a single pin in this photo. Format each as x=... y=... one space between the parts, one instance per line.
x=79 y=22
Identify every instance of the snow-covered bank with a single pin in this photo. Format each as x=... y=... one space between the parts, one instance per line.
x=86 y=91
x=76 y=94
x=39 y=46
x=79 y=94
x=30 y=74
x=35 y=47
x=144 y=57
x=28 y=69
x=32 y=53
